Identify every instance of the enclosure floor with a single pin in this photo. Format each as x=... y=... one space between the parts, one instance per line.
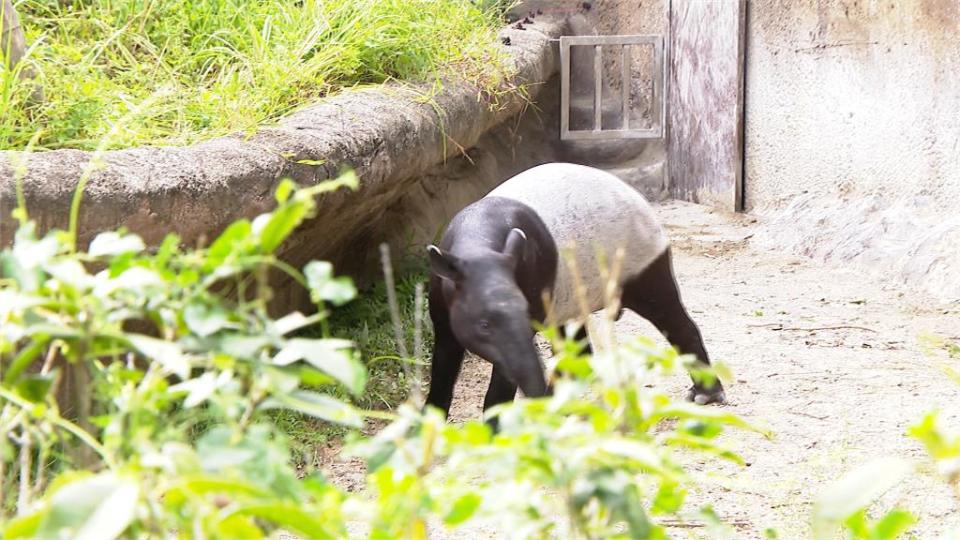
x=835 y=398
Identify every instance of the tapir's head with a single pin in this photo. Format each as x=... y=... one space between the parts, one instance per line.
x=489 y=314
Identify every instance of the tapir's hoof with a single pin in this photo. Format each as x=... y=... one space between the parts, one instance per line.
x=701 y=396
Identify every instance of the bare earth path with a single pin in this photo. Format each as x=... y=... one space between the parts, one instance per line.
x=826 y=357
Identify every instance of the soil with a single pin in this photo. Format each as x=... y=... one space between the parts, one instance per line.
x=829 y=359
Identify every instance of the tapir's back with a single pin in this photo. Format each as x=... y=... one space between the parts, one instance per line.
x=588 y=211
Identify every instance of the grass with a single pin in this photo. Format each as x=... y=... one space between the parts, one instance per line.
x=221 y=66
x=366 y=321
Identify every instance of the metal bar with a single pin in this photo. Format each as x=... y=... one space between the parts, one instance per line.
x=612 y=40
x=660 y=84
x=625 y=84
x=614 y=134
x=564 y=87
x=597 y=86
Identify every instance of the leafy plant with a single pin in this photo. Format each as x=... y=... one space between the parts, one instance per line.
x=175 y=370
x=595 y=460
x=173 y=361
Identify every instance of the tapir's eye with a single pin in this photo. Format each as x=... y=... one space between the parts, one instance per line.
x=483 y=326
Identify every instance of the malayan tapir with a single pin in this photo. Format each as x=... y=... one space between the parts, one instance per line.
x=500 y=254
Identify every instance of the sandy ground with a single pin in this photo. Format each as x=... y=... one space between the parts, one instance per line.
x=826 y=357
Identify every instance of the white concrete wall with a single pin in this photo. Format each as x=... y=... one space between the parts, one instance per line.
x=853 y=133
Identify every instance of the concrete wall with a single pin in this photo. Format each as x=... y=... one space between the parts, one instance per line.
x=853 y=133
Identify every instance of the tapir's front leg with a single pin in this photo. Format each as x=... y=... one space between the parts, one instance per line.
x=501 y=390
x=447 y=358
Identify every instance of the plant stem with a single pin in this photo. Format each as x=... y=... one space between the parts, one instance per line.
x=417 y=339
x=392 y=301
x=23 y=500
x=62 y=423
x=40 y=479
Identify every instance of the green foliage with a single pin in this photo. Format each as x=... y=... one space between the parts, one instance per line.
x=595 y=460
x=366 y=321
x=204 y=354
x=186 y=364
x=221 y=66
x=844 y=502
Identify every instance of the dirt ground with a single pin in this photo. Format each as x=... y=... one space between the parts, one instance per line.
x=827 y=358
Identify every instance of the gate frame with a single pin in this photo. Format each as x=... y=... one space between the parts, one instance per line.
x=659 y=83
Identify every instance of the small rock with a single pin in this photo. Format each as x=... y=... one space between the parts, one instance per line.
x=505 y=40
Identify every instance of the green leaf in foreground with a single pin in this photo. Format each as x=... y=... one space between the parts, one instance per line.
x=855 y=491
x=332 y=356
x=463 y=509
x=325 y=287
x=892 y=525
x=289 y=516
x=114 y=243
x=165 y=353
x=317 y=405
x=99 y=507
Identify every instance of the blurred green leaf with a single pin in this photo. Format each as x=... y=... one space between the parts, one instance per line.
x=240 y=346
x=275 y=227
x=290 y=516
x=332 y=356
x=238 y=527
x=114 y=243
x=855 y=491
x=36 y=387
x=463 y=509
x=317 y=405
x=232 y=241
x=24 y=526
x=98 y=507
x=284 y=189
x=135 y=280
x=204 y=319
x=325 y=287
x=292 y=322
x=166 y=353
x=198 y=389
x=894 y=524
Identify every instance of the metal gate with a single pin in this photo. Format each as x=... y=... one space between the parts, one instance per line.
x=624 y=130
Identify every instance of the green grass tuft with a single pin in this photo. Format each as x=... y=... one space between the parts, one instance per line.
x=367 y=322
x=221 y=66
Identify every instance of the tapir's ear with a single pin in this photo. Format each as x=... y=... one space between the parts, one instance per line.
x=513 y=247
x=444 y=265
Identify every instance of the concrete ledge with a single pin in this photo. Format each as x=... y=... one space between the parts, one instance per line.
x=386 y=134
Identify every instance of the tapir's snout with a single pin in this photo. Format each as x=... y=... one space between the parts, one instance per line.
x=519 y=359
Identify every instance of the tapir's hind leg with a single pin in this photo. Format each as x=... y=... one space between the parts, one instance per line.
x=654 y=296
x=447 y=359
